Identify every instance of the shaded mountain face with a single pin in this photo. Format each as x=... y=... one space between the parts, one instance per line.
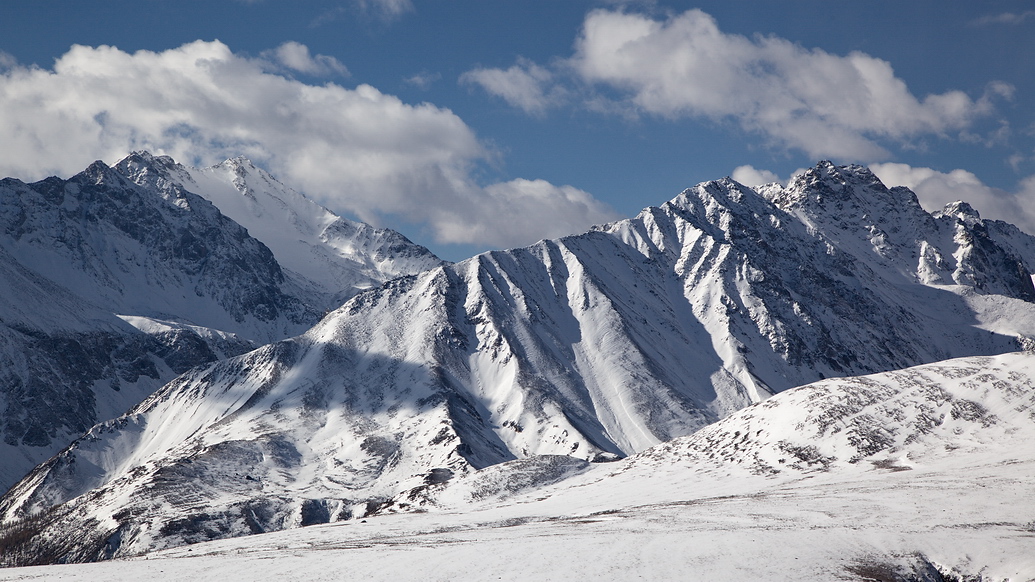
x=592 y=346
x=114 y=287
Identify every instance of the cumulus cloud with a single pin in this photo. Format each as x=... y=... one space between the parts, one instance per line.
x=750 y=176
x=684 y=66
x=294 y=56
x=358 y=151
x=525 y=85
x=935 y=189
x=528 y=204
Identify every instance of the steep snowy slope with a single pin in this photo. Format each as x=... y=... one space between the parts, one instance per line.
x=918 y=474
x=592 y=346
x=337 y=256
x=112 y=287
x=134 y=251
x=88 y=267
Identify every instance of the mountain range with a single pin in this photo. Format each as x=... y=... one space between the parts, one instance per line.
x=546 y=361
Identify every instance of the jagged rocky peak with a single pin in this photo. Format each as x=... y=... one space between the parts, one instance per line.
x=827 y=187
x=100 y=173
x=162 y=173
x=961 y=211
x=145 y=160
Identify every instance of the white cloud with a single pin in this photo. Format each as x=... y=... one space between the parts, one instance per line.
x=294 y=56
x=535 y=206
x=525 y=85
x=823 y=104
x=685 y=67
x=935 y=189
x=423 y=80
x=750 y=176
x=358 y=150
x=7 y=60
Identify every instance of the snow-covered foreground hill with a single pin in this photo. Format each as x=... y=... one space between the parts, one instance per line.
x=591 y=346
x=915 y=475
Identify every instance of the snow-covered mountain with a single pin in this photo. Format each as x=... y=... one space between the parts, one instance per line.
x=112 y=287
x=316 y=248
x=592 y=346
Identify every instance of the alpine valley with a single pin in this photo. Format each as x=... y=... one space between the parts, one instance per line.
x=738 y=371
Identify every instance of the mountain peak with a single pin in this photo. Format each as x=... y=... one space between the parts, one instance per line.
x=833 y=178
x=962 y=211
x=844 y=190
x=100 y=173
x=241 y=166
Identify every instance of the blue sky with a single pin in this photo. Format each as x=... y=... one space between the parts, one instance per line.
x=480 y=124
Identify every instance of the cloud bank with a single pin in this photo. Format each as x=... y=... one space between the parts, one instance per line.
x=358 y=151
x=684 y=66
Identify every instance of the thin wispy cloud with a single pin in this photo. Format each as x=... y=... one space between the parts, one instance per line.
x=684 y=67
x=387 y=9
x=423 y=80
x=328 y=16
x=7 y=60
x=294 y=57
x=384 y=10
x=357 y=150
x=1011 y=18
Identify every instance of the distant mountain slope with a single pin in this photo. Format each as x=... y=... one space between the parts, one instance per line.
x=132 y=250
x=592 y=346
x=112 y=288
x=340 y=256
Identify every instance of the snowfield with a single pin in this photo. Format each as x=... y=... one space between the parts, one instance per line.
x=948 y=493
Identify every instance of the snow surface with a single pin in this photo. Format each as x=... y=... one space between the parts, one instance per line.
x=949 y=494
